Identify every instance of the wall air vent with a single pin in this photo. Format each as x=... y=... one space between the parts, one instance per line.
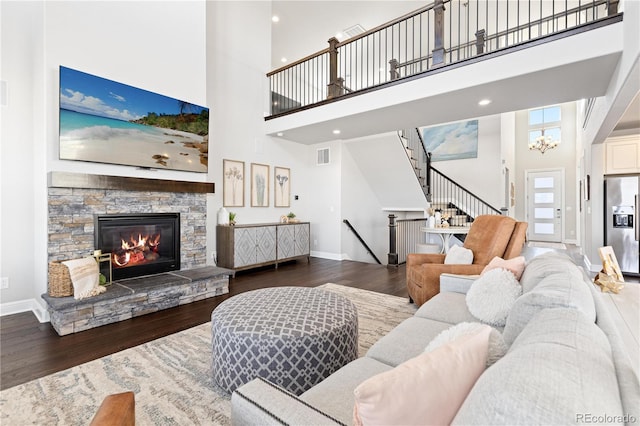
x=351 y=32
x=323 y=157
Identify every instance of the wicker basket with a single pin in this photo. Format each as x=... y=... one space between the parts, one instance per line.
x=59 y=280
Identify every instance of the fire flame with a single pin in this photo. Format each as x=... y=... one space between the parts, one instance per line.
x=138 y=250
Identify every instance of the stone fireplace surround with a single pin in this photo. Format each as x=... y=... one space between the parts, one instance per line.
x=73 y=201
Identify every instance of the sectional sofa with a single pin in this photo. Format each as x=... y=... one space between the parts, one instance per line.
x=565 y=363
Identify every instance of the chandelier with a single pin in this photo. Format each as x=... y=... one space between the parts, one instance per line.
x=543 y=143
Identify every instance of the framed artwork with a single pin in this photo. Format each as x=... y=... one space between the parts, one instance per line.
x=281 y=187
x=104 y=121
x=233 y=183
x=452 y=141
x=259 y=185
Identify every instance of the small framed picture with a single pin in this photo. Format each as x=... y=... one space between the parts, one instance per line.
x=259 y=185
x=233 y=183
x=281 y=187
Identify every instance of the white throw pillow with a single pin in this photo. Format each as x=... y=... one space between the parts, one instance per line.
x=491 y=296
x=458 y=255
x=497 y=346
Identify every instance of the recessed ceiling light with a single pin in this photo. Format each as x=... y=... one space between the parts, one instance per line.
x=484 y=102
x=275 y=18
x=339 y=36
x=283 y=59
x=279 y=133
x=336 y=132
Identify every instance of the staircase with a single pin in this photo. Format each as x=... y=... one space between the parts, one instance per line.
x=442 y=192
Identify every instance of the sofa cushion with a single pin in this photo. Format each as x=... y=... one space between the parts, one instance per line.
x=447 y=307
x=412 y=335
x=334 y=395
x=561 y=289
x=547 y=264
x=427 y=389
x=261 y=402
x=497 y=347
x=559 y=369
x=491 y=296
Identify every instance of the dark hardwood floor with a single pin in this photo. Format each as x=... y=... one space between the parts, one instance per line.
x=29 y=349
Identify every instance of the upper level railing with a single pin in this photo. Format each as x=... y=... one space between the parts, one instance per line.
x=442 y=33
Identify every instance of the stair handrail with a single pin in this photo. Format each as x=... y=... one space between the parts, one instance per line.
x=366 y=246
x=469 y=193
x=422 y=161
x=425 y=164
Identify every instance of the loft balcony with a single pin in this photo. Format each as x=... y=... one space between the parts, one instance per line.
x=433 y=65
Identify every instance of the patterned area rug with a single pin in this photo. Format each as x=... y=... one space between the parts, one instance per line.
x=170 y=377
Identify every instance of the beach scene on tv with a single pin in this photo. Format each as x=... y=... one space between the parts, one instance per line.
x=105 y=121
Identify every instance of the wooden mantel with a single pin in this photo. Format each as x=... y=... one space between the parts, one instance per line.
x=89 y=181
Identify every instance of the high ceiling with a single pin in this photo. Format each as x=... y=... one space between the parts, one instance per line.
x=305 y=26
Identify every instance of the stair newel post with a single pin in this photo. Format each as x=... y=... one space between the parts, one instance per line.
x=334 y=88
x=428 y=177
x=613 y=7
x=392 y=257
x=438 y=29
x=480 y=41
x=394 y=74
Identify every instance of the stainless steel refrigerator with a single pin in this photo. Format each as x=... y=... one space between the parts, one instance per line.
x=621 y=220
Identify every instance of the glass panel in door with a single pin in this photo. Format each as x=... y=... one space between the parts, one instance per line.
x=544 y=210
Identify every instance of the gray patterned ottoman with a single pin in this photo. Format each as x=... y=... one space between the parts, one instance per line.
x=292 y=336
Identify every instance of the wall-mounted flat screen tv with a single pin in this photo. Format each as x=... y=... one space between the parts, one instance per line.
x=108 y=122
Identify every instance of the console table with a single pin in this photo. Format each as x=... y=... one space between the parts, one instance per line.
x=253 y=245
x=446 y=233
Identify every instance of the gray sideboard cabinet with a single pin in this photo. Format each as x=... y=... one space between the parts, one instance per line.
x=253 y=245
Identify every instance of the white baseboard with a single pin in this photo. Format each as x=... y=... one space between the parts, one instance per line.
x=330 y=256
x=593 y=267
x=29 y=305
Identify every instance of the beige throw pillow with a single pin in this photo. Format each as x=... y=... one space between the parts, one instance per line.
x=458 y=255
x=427 y=389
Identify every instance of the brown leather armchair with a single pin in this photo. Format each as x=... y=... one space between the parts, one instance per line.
x=488 y=237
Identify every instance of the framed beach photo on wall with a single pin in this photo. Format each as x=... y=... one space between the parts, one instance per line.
x=259 y=185
x=104 y=121
x=281 y=187
x=233 y=183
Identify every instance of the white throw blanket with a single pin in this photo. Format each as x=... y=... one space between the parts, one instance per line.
x=85 y=277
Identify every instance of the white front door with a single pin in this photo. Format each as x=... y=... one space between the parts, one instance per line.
x=545 y=205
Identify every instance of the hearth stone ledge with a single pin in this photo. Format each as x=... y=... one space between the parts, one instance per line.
x=125 y=299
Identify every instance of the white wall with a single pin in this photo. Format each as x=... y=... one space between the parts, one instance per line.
x=482 y=175
x=22 y=152
x=237 y=91
x=159 y=48
x=324 y=198
x=564 y=156
x=508 y=147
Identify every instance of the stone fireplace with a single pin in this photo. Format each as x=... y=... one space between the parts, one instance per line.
x=156 y=229
x=76 y=199
x=139 y=244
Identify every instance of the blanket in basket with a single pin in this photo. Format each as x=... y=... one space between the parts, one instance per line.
x=85 y=277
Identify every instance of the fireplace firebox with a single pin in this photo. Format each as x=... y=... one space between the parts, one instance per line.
x=140 y=244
